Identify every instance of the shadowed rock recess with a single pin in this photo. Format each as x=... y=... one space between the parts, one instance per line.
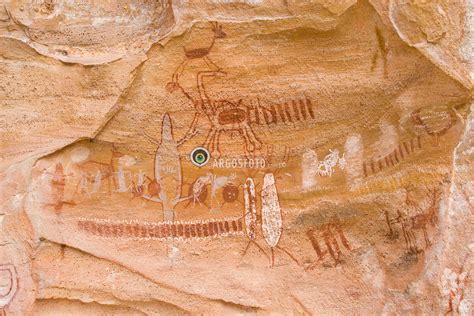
x=336 y=175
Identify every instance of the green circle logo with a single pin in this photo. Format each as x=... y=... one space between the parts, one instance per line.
x=200 y=156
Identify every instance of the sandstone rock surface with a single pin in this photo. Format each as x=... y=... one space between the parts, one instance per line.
x=341 y=172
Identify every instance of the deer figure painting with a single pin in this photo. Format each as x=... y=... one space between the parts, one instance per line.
x=223 y=115
x=202 y=50
x=96 y=171
x=410 y=224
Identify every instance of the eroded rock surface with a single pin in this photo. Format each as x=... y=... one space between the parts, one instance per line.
x=340 y=177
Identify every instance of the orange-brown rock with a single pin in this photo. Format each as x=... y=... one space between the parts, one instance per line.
x=236 y=157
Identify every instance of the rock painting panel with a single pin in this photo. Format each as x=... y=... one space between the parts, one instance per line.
x=227 y=116
x=309 y=159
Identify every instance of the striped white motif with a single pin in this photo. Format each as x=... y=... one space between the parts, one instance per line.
x=250 y=208
x=271 y=211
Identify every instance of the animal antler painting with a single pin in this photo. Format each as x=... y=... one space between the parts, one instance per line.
x=223 y=115
x=200 y=52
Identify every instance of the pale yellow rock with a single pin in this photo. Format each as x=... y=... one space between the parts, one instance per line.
x=86 y=33
x=441 y=30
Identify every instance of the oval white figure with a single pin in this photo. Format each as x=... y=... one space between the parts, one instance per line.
x=271 y=211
